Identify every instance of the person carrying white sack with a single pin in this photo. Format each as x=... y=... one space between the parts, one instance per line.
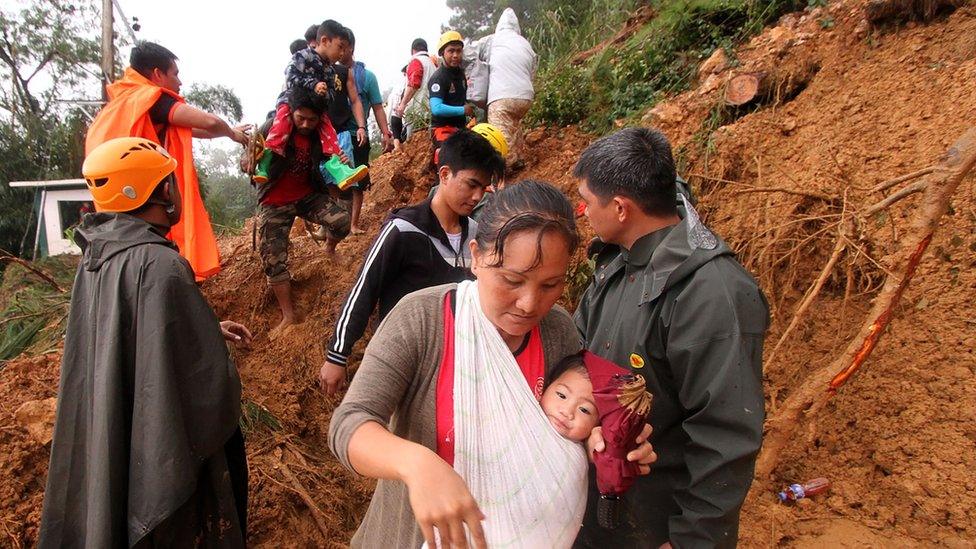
x=512 y=64
x=444 y=409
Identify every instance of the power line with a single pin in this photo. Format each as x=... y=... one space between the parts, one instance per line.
x=128 y=27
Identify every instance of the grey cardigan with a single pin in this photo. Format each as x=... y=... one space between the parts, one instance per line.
x=396 y=386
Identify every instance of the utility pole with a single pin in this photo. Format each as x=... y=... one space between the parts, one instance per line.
x=108 y=47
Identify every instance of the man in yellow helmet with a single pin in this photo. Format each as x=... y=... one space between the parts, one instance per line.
x=448 y=90
x=147 y=449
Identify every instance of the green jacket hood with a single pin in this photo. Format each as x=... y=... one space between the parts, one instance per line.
x=688 y=246
x=103 y=235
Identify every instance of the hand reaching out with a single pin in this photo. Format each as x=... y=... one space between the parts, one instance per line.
x=235 y=332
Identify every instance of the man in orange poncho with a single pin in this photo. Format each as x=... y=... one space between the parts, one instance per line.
x=145 y=102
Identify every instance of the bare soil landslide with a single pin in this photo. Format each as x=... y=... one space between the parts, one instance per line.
x=897 y=442
x=840 y=107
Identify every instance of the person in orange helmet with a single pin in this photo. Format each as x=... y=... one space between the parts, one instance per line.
x=147 y=448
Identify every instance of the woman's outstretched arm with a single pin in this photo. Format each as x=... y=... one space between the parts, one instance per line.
x=438 y=495
x=386 y=382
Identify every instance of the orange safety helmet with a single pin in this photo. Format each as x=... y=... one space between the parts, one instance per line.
x=122 y=173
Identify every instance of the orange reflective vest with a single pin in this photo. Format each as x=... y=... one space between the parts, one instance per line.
x=127 y=115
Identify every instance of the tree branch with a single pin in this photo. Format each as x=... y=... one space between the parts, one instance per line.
x=907 y=177
x=812 y=394
x=20 y=85
x=7 y=256
x=895 y=197
x=47 y=59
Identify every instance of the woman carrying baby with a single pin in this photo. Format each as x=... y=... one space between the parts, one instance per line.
x=444 y=409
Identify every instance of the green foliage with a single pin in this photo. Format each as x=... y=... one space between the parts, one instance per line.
x=17 y=336
x=564 y=98
x=229 y=200
x=34 y=312
x=51 y=147
x=577 y=280
x=659 y=60
x=558 y=29
x=254 y=416
x=41 y=137
x=227 y=193
x=53 y=38
x=418 y=116
x=219 y=100
x=472 y=18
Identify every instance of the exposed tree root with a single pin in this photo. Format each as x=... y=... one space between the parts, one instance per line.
x=298 y=488
x=812 y=395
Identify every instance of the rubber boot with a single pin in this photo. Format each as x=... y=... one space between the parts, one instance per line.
x=263 y=167
x=344 y=176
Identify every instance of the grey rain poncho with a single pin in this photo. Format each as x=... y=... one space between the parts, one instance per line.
x=147 y=449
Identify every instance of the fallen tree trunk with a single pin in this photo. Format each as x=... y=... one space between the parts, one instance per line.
x=631 y=26
x=808 y=399
x=770 y=86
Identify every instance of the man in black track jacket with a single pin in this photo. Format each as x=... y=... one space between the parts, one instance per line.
x=418 y=246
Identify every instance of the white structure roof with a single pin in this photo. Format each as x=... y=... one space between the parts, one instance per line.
x=52 y=183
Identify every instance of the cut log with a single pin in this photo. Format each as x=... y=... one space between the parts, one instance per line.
x=769 y=86
x=742 y=89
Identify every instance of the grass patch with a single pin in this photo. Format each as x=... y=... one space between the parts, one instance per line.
x=658 y=61
x=254 y=417
x=34 y=313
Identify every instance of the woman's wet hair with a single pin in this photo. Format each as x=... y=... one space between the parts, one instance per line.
x=526 y=206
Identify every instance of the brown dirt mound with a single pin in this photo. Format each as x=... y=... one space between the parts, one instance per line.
x=23 y=462
x=897 y=442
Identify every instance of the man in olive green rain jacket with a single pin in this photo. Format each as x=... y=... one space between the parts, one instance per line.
x=670 y=300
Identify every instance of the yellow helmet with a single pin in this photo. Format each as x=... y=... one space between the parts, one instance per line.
x=493 y=135
x=122 y=173
x=447 y=38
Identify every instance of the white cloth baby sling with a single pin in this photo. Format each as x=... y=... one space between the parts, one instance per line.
x=528 y=480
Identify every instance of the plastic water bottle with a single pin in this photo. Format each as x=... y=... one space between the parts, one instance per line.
x=813 y=487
